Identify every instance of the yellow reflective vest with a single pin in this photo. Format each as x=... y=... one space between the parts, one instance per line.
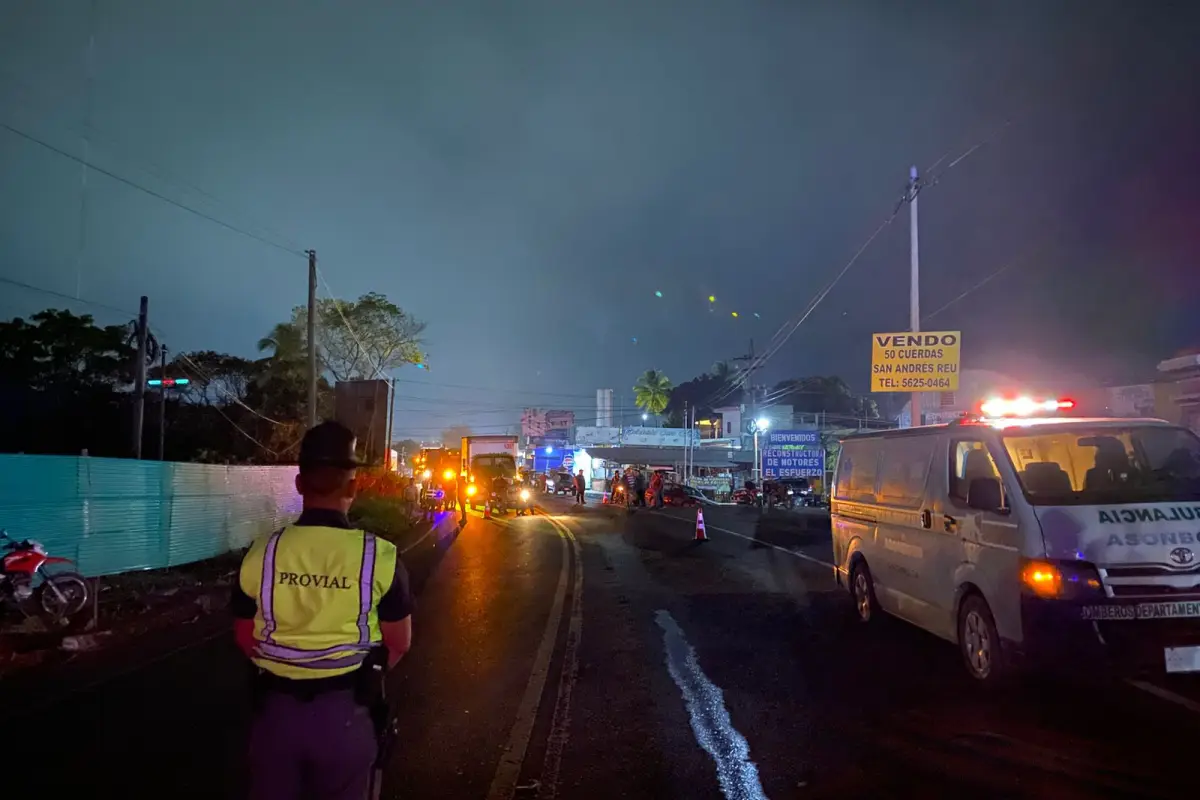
x=317 y=589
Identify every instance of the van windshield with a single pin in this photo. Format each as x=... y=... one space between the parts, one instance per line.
x=1105 y=465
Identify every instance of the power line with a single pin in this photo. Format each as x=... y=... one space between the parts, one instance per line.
x=157 y=195
x=90 y=133
x=71 y=298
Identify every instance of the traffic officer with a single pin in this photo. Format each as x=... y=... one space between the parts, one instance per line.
x=314 y=605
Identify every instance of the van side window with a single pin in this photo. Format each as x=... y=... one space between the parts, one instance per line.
x=857 y=469
x=904 y=469
x=969 y=460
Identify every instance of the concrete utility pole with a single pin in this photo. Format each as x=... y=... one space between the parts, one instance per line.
x=139 y=378
x=162 y=406
x=914 y=289
x=312 y=338
x=748 y=384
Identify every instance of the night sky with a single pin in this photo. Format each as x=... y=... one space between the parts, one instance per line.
x=524 y=176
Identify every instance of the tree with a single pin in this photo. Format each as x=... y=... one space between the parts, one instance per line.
x=359 y=339
x=825 y=394
x=286 y=341
x=408 y=446
x=452 y=437
x=698 y=393
x=59 y=350
x=652 y=392
x=213 y=378
x=66 y=381
x=725 y=372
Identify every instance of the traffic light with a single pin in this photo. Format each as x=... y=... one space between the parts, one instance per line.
x=168 y=382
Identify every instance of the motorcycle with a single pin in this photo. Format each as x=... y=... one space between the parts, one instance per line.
x=24 y=578
x=524 y=501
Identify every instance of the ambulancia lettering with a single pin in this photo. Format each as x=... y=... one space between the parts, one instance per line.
x=315 y=581
x=1151 y=539
x=1130 y=516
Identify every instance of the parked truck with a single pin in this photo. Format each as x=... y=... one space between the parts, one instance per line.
x=491 y=466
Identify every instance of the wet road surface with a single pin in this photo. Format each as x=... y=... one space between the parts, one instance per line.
x=590 y=653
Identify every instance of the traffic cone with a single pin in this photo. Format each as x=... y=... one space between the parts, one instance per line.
x=701 y=536
x=487 y=510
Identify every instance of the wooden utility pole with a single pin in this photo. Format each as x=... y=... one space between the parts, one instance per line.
x=312 y=338
x=139 y=386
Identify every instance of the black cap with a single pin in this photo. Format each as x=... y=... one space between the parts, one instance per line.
x=330 y=444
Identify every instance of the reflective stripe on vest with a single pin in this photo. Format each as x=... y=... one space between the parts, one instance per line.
x=351 y=654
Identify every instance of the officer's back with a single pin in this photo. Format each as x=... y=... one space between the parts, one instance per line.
x=316 y=604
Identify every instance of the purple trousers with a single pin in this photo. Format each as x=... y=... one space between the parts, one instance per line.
x=323 y=748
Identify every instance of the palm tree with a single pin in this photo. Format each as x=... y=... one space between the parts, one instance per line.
x=652 y=392
x=285 y=341
x=289 y=353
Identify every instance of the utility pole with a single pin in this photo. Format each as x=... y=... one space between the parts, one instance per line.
x=914 y=289
x=390 y=418
x=139 y=378
x=162 y=406
x=748 y=384
x=312 y=338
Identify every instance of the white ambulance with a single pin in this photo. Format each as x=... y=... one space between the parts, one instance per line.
x=1025 y=536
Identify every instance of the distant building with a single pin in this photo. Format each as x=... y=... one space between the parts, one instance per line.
x=604 y=408
x=1182 y=374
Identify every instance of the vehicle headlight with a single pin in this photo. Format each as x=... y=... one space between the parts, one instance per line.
x=550 y=484
x=448 y=474
x=470 y=490
x=524 y=494
x=427 y=474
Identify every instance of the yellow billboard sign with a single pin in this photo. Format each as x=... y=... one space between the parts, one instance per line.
x=915 y=362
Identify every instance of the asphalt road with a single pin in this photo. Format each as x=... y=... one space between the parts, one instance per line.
x=590 y=653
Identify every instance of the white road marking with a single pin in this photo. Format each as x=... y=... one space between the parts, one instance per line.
x=1168 y=695
x=504 y=783
x=556 y=741
x=802 y=556
x=737 y=775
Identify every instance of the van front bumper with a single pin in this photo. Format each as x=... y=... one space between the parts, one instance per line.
x=1101 y=637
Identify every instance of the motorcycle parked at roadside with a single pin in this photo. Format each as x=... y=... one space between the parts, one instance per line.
x=24 y=580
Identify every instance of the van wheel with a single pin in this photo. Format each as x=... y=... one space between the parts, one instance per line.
x=979 y=641
x=862 y=587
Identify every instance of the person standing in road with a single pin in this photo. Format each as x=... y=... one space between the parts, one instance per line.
x=639 y=488
x=656 y=488
x=462 y=497
x=320 y=608
x=580 y=489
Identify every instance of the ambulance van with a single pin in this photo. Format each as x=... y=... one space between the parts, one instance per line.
x=1028 y=538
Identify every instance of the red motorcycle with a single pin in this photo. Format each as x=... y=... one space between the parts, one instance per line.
x=24 y=578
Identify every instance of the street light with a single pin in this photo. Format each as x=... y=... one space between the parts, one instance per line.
x=760 y=424
x=645 y=417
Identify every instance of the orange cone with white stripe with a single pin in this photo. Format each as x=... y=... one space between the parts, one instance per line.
x=701 y=536
x=487 y=510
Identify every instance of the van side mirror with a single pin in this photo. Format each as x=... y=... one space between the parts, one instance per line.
x=986 y=494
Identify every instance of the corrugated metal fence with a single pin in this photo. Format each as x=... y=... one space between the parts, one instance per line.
x=115 y=515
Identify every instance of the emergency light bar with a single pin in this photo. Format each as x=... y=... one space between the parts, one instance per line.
x=1022 y=406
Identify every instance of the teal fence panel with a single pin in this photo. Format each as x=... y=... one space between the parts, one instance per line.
x=116 y=515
